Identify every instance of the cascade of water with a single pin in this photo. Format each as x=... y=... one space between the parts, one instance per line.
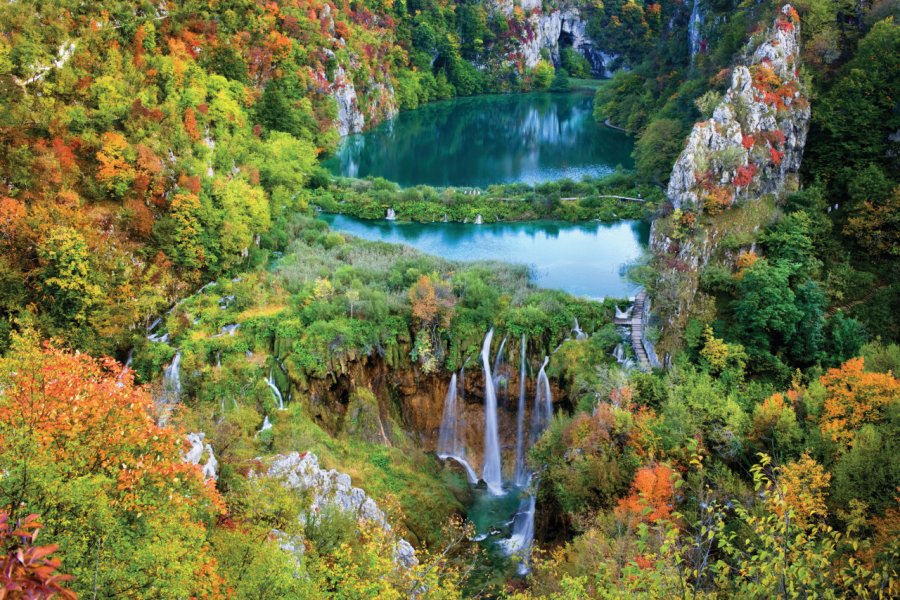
x=498 y=360
x=694 y=25
x=491 y=472
x=450 y=446
x=171 y=390
x=543 y=404
x=391 y=215
x=448 y=438
x=521 y=474
x=579 y=334
x=276 y=393
x=519 y=543
x=478 y=219
x=501 y=389
x=267 y=424
x=623 y=314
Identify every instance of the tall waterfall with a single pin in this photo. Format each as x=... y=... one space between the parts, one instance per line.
x=448 y=439
x=543 y=404
x=491 y=472
x=171 y=384
x=450 y=445
x=276 y=393
x=521 y=475
x=694 y=25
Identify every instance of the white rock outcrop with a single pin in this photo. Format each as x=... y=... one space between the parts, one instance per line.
x=301 y=472
x=756 y=135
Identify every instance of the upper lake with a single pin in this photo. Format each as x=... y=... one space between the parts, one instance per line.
x=583 y=259
x=528 y=138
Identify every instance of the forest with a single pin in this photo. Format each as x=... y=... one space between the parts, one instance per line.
x=207 y=392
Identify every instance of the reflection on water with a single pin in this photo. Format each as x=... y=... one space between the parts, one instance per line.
x=584 y=259
x=528 y=138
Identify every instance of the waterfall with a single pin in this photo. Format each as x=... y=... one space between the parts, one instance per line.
x=450 y=446
x=276 y=393
x=478 y=219
x=694 y=25
x=623 y=314
x=519 y=543
x=491 y=471
x=228 y=329
x=543 y=404
x=391 y=215
x=501 y=389
x=171 y=390
x=448 y=439
x=579 y=334
x=521 y=474
x=267 y=425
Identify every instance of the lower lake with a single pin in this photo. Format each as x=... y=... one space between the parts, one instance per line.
x=583 y=259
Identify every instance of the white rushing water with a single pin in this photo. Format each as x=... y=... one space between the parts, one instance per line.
x=522 y=537
x=491 y=471
x=694 y=25
x=276 y=393
x=542 y=411
x=451 y=446
x=521 y=474
x=391 y=215
x=171 y=384
x=576 y=329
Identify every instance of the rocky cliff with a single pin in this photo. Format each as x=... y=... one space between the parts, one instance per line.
x=553 y=30
x=359 y=103
x=301 y=473
x=754 y=140
x=749 y=149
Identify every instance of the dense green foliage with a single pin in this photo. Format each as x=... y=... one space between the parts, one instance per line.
x=566 y=199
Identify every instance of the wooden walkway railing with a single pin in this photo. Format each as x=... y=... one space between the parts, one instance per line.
x=636 y=323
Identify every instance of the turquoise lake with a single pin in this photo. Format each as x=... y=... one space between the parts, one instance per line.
x=584 y=259
x=528 y=138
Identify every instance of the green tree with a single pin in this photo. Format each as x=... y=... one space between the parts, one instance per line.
x=656 y=150
x=67 y=277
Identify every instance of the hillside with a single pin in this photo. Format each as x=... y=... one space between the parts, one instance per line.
x=207 y=391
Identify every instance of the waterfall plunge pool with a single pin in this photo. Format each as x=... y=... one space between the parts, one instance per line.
x=583 y=259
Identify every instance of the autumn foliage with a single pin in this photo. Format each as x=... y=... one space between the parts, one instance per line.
x=27 y=570
x=855 y=398
x=74 y=423
x=652 y=495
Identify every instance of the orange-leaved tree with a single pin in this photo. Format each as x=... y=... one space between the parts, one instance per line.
x=80 y=447
x=854 y=398
x=652 y=495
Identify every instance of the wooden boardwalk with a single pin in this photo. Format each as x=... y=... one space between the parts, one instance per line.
x=636 y=323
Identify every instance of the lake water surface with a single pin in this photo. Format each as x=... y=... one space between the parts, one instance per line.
x=528 y=138
x=584 y=259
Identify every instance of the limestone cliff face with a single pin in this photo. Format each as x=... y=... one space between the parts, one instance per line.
x=329 y=488
x=359 y=103
x=750 y=149
x=552 y=30
x=755 y=138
